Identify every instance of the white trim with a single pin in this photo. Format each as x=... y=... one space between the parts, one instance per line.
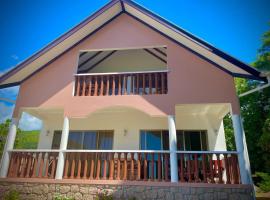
x=118 y=73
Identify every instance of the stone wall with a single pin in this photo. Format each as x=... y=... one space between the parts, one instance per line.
x=40 y=191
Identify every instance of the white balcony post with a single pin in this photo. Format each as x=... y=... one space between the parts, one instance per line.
x=10 y=140
x=241 y=148
x=173 y=149
x=63 y=146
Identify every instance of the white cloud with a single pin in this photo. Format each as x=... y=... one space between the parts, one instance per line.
x=29 y=122
x=6 y=111
x=15 y=57
x=10 y=93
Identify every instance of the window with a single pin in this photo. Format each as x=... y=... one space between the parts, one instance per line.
x=90 y=140
x=186 y=140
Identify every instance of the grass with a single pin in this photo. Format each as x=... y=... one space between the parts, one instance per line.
x=27 y=140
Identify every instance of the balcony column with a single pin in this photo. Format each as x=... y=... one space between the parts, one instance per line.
x=10 y=140
x=173 y=149
x=63 y=147
x=241 y=147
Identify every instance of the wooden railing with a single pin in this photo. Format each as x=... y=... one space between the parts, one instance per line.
x=33 y=164
x=123 y=83
x=133 y=165
x=208 y=167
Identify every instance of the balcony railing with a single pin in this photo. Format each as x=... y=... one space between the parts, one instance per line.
x=123 y=83
x=132 y=165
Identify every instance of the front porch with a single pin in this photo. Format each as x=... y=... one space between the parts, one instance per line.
x=128 y=145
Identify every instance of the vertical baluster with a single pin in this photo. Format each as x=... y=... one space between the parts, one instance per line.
x=53 y=165
x=125 y=167
x=132 y=167
x=235 y=169
x=104 y=177
x=219 y=169
x=29 y=163
x=152 y=167
x=72 y=165
x=211 y=168
x=143 y=83
x=18 y=163
x=150 y=83
x=66 y=166
x=11 y=165
x=84 y=85
x=79 y=166
x=159 y=167
x=189 y=167
x=111 y=166
x=131 y=84
x=92 y=165
x=137 y=84
x=85 y=168
x=113 y=85
x=22 y=165
x=90 y=86
x=98 y=167
x=108 y=86
x=96 y=86
x=78 y=85
x=125 y=84
x=196 y=168
x=41 y=165
x=162 y=83
x=228 y=174
x=204 y=168
x=119 y=85
x=145 y=167
x=182 y=167
x=139 y=167
x=101 y=92
x=34 y=170
x=118 y=166
x=156 y=83
x=166 y=167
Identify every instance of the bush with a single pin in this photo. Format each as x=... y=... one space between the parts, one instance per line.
x=12 y=195
x=264 y=183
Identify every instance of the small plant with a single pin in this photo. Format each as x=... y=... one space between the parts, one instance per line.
x=59 y=197
x=12 y=195
x=264 y=183
x=104 y=196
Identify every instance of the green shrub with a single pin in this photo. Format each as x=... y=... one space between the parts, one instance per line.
x=59 y=197
x=264 y=183
x=104 y=196
x=12 y=195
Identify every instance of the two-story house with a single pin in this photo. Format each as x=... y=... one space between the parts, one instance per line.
x=128 y=97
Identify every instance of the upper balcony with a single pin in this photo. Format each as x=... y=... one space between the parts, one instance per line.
x=122 y=72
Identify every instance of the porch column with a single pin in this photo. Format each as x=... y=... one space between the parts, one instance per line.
x=63 y=146
x=240 y=141
x=8 y=146
x=173 y=149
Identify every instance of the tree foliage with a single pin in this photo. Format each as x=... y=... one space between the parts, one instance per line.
x=255 y=110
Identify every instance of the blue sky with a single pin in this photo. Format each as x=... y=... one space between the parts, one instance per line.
x=235 y=26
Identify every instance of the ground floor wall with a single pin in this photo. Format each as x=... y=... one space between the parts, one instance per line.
x=127 y=123
x=50 y=189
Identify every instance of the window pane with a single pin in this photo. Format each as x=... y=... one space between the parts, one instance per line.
x=75 y=140
x=204 y=140
x=90 y=140
x=180 y=141
x=105 y=140
x=56 y=139
x=194 y=140
x=142 y=140
x=153 y=140
x=187 y=141
x=165 y=140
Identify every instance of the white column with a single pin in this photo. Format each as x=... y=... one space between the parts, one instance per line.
x=173 y=149
x=63 y=146
x=241 y=147
x=8 y=146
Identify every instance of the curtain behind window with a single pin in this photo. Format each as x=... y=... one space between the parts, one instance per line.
x=105 y=140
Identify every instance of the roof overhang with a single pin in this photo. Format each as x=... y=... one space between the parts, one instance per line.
x=104 y=16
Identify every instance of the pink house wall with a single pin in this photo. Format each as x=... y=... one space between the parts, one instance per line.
x=191 y=79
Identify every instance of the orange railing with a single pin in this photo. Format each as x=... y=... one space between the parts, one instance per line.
x=123 y=83
x=133 y=165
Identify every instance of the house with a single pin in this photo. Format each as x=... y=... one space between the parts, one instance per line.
x=128 y=98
